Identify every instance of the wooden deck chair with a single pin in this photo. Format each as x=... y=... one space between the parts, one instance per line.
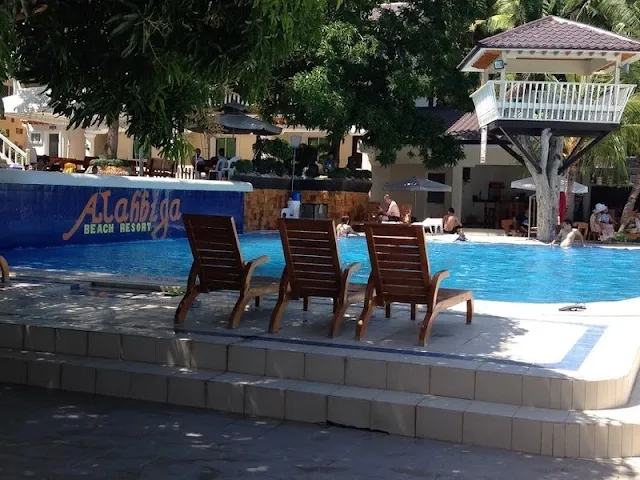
x=583 y=228
x=507 y=226
x=4 y=270
x=400 y=274
x=313 y=270
x=218 y=264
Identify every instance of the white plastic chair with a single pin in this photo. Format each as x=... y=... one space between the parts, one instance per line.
x=434 y=225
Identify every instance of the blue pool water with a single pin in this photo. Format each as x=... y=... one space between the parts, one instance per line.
x=515 y=273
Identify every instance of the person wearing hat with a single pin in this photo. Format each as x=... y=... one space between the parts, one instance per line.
x=604 y=229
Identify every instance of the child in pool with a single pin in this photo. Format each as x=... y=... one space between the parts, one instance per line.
x=568 y=235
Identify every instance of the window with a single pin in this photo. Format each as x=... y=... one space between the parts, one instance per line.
x=436 y=197
x=229 y=145
x=36 y=138
x=19 y=131
x=319 y=143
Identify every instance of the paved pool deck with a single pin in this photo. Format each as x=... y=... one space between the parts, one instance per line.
x=599 y=343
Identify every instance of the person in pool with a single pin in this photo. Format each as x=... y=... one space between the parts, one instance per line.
x=568 y=235
x=451 y=223
x=344 y=229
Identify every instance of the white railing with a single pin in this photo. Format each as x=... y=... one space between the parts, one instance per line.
x=551 y=101
x=11 y=153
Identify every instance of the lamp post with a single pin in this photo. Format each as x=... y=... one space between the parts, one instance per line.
x=295 y=143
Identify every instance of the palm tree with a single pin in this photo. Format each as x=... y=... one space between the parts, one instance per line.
x=619 y=16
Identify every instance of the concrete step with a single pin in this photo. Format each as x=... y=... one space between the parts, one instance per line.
x=596 y=434
x=352 y=365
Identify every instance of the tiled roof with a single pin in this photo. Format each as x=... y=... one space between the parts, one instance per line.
x=558 y=33
x=466 y=128
x=447 y=115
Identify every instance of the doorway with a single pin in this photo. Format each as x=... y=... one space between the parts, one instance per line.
x=54 y=144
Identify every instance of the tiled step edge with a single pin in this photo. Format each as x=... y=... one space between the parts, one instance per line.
x=463 y=379
x=599 y=434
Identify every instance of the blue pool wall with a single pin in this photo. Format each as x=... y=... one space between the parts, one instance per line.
x=44 y=209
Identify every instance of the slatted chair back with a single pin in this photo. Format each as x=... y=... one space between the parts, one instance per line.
x=399 y=263
x=216 y=251
x=311 y=256
x=583 y=228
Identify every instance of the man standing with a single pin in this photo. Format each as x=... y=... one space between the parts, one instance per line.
x=392 y=213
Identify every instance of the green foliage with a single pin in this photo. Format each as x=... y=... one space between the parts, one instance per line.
x=109 y=162
x=155 y=62
x=277 y=148
x=370 y=66
x=265 y=165
x=244 y=166
x=306 y=156
x=312 y=171
x=338 y=173
x=620 y=16
x=180 y=150
x=279 y=169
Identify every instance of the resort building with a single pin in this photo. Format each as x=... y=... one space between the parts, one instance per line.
x=33 y=127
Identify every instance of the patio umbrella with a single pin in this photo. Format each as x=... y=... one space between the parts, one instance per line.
x=238 y=123
x=415 y=185
x=528 y=184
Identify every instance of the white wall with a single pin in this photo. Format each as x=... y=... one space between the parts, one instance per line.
x=499 y=167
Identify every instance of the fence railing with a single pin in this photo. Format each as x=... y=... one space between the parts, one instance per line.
x=551 y=101
x=11 y=153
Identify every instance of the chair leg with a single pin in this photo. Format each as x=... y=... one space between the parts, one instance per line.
x=413 y=311
x=305 y=304
x=238 y=310
x=4 y=269
x=276 y=315
x=469 y=311
x=387 y=310
x=336 y=321
x=365 y=317
x=335 y=305
x=425 y=329
x=183 y=307
x=258 y=301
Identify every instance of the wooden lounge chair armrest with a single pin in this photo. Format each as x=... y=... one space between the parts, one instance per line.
x=346 y=276
x=435 y=284
x=250 y=266
x=193 y=275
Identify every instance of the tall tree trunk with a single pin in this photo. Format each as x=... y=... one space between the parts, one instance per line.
x=545 y=176
x=571 y=197
x=112 y=139
x=627 y=211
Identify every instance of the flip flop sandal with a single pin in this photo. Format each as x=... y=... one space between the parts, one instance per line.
x=573 y=308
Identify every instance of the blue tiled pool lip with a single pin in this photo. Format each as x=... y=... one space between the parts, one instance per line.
x=571 y=362
x=522 y=273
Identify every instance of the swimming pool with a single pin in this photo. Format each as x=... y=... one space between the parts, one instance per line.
x=515 y=273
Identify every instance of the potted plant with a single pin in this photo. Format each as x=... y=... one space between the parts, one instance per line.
x=110 y=166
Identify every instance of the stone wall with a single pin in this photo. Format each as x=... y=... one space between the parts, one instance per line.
x=262 y=207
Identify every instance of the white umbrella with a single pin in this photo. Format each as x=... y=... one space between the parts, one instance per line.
x=528 y=184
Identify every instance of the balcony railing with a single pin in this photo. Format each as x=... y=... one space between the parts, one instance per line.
x=551 y=101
